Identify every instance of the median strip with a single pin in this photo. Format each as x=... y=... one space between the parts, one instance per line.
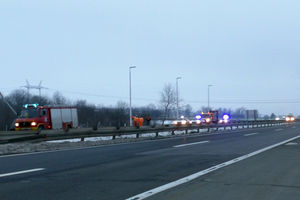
x=189 y=144
x=21 y=172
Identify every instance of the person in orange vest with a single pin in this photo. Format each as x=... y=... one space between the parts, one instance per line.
x=141 y=120
x=137 y=121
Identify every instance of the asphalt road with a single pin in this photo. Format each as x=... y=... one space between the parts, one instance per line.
x=272 y=175
x=124 y=170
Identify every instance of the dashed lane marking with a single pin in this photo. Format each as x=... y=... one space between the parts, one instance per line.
x=279 y=129
x=250 y=134
x=189 y=144
x=21 y=172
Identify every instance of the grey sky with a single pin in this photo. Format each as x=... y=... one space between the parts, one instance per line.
x=248 y=49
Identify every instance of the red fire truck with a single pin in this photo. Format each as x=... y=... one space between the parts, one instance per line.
x=210 y=117
x=35 y=117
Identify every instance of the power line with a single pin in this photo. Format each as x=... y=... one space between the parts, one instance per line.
x=246 y=102
x=231 y=101
x=101 y=95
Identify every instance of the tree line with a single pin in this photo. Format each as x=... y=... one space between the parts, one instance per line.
x=96 y=115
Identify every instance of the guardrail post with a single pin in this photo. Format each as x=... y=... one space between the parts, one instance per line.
x=156 y=134
x=186 y=131
x=173 y=132
x=198 y=130
x=208 y=129
x=82 y=139
x=114 y=137
x=137 y=135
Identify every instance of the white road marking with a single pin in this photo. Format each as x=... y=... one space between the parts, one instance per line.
x=22 y=172
x=246 y=135
x=183 y=145
x=128 y=143
x=203 y=172
x=279 y=129
x=291 y=143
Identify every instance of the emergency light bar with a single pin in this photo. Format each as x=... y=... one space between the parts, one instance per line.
x=35 y=105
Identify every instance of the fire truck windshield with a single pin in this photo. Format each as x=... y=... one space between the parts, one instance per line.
x=29 y=113
x=206 y=115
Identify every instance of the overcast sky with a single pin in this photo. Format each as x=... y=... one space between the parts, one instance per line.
x=249 y=50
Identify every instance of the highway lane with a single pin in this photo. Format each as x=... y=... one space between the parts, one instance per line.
x=271 y=175
x=122 y=171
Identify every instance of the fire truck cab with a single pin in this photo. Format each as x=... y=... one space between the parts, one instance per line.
x=210 y=117
x=35 y=117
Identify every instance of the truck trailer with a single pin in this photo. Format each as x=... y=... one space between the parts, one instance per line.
x=35 y=117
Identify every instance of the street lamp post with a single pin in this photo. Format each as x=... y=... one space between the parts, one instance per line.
x=208 y=96
x=130 y=108
x=177 y=101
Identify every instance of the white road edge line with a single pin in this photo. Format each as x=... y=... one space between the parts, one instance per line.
x=246 y=135
x=183 y=145
x=203 y=172
x=22 y=172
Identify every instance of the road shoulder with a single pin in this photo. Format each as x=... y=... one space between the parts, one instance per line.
x=270 y=175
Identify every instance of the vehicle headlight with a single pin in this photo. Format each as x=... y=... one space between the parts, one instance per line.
x=175 y=122
x=226 y=121
x=183 y=121
x=33 y=123
x=220 y=121
x=17 y=124
x=198 y=121
x=292 y=118
x=287 y=119
x=207 y=120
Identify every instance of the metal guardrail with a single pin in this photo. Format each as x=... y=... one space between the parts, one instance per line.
x=48 y=135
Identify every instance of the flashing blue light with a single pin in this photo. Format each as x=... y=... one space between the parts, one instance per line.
x=31 y=105
x=226 y=116
x=198 y=117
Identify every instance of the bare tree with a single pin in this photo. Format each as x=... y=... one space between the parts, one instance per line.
x=167 y=100
x=272 y=116
x=187 y=110
x=58 y=99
